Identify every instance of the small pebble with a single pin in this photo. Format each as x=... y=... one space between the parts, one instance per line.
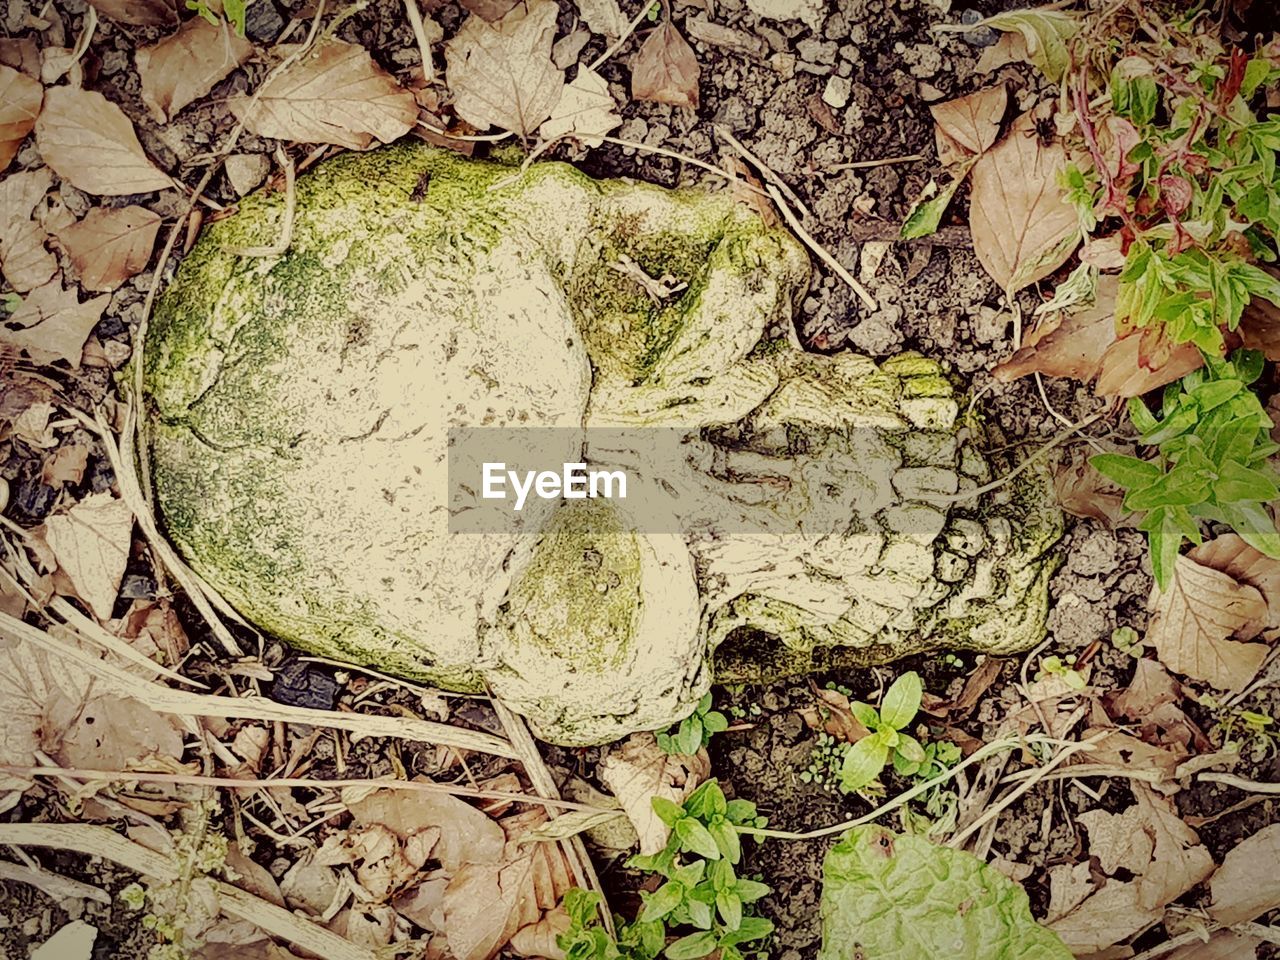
x=837 y=92
x=981 y=37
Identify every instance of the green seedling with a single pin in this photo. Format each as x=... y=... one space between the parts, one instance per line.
x=1126 y=640
x=235 y=12
x=1064 y=667
x=702 y=892
x=695 y=731
x=867 y=757
x=941 y=803
x=1213 y=443
x=1246 y=729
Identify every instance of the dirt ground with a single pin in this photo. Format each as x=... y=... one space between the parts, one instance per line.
x=879 y=64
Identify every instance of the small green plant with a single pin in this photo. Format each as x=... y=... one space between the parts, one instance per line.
x=1064 y=667
x=825 y=762
x=695 y=731
x=1126 y=640
x=702 y=890
x=866 y=758
x=1213 y=443
x=940 y=803
x=1244 y=729
x=235 y=12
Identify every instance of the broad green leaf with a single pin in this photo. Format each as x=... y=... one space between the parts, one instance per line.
x=1129 y=472
x=740 y=811
x=902 y=701
x=752 y=890
x=1045 y=31
x=694 y=837
x=865 y=714
x=726 y=838
x=751 y=928
x=662 y=901
x=715 y=722
x=910 y=748
x=890 y=895
x=1238 y=482
x=693 y=946
x=863 y=762
x=729 y=906
x=667 y=811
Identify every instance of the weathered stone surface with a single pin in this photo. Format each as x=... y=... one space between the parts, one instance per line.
x=299 y=410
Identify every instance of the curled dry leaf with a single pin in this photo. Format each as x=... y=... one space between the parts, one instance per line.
x=1108 y=916
x=637 y=770
x=21 y=54
x=110 y=245
x=1084 y=492
x=1230 y=554
x=91 y=544
x=1022 y=227
x=184 y=67
x=501 y=74
x=1082 y=345
x=466 y=834
x=1222 y=945
x=603 y=16
x=539 y=939
x=20 y=99
x=491 y=10
x=52 y=324
x=1247 y=884
x=665 y=69
x=1118 y=840
x=333 y=94
x=89 y=141
x=586 y=110
x=1193 y=622
x=970 y=125
x=833 y=714
x=25 y=262
x=140 y=13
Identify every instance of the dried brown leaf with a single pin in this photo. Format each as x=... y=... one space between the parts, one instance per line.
x=89 y=141
x=1084 y=492
x=1180 y=860
x=501 y=74
x=539 y=939
x=972 y=122
x=40 y=699
x=1118 y=840
x=1110 y=915
x=25 y=262
x=334 y=94
x=833 y=714
x=491 y=10
x=466 y=833
x=1010 y=48
x=112 y=733
x=975 y=686
x=1247 y=884
x=110 y=245
x=1223 y=945
x=20 y=99
x=140 y=13
x=1259 y=324
x=1022 y=228
x=91 y=543
x=665 y=70
x=585 y=111
x=67 y=465
x=1193 y=621
x=52 y=324
x=1068 y=346
x=637 y=770
x=1150 y=688
x=603 y=17
x=184 y=67
x=1123 y=373
x=23 y=54
x=1230 y=554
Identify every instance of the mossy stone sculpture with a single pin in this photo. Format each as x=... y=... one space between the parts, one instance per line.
x=299 y=417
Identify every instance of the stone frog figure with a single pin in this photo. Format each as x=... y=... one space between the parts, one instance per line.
x=299 y=410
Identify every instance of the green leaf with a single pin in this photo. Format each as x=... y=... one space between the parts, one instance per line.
x=694 y=837
x=910 y=748
x=865 y=714
x=1129 y=472
x=693 y=946
x=667 y=811
x=726 y=838
x=740 y=811
x=729 y=906
x=751 y=928
x=699 y=914
x=881 y=896
x=690 y=874
x=1238 y=482
x=715 y=722
x=662 y=901
x=902 y=701
x=863 y=762
x=925 y=215
x=1045 y=32
x=752 y=890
